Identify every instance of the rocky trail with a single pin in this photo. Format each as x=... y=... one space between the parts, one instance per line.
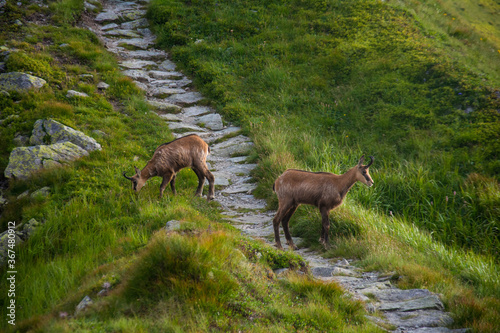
x=124 y=30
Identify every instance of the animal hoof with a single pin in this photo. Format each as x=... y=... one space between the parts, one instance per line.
x=278 y=246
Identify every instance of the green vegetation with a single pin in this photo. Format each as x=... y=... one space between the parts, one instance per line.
x=96 y=230
x=318 y=83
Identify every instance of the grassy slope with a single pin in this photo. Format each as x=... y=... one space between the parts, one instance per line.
x=318 y=83
x=96 y=230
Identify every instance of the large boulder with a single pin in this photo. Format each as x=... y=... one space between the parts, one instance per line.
x=50 y=131
x=25 y=160
x=16 y=81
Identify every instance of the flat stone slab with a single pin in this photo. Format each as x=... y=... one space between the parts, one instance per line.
x=417 y=319
x=211 y=121
x=322 y=271
x=183 y=127
x=137 y=74
x=193 y=111
x=140 y=43
x=74 y=93
x=170 y=117
x=122 y=33
x=397 y=295
x=171 y=83
x=106 y=16
x=163 y=92
x=221 y=178
x=110 y=26
x=426 y=303
x=237 y=145
x=141 y=85
x=142 y=22
x=145 y=54
x=185 y=99
x=137 y=64
x=164 y=106
x=166 y=75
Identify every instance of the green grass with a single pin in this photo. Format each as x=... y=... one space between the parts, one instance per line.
x=319 y=83
x=96 y=230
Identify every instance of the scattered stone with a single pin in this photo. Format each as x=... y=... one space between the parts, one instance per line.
x=343 y=272
x=121 y=32
x=86 y=76
x=99 y=133
x=141 y=85
x=89 y=6
x=62 y=46
x=55 y=132
x=137 y=74
x=85 y=302
x=172 y=225
x=3 y=201
x=74 y=93
x=41 y=193
x=25 y=160
x=16 y=81
x=211 y=121
x=23 y=195
x=140 y=43
x=322 y=271
x=183 y=127
x=30 y=226
x=102 y=85
x=18 y=22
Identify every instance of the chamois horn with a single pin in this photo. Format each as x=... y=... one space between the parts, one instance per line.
x=371 y=161
x=124 y=175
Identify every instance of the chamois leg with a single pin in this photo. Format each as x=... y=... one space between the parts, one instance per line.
x=166 y=179
x=284 y=222
x=172 y=185
x=325 y=229
x=201 y=181
x=279 y=218
x=211 y=185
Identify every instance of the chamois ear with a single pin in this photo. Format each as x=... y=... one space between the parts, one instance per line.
x=361 y=160
x=137 y=171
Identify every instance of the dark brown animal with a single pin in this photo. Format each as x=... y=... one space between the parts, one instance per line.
x=188 y=151
x=321 y=189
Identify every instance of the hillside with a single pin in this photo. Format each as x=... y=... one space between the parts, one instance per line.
x=314 y=85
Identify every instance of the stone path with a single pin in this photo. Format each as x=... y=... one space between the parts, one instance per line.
x=124 y=30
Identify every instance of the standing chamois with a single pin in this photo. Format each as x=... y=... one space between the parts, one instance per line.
x=188 y=151
x=321 y=189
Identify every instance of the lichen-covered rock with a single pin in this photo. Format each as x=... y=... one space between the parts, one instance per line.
x=50 y=131
x=74 y=93
x=25 y=160
x=17 y=81
x=41 y=193
x=30 y=226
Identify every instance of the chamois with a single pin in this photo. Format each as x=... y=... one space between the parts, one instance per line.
x=321 y=189
x=169 y=158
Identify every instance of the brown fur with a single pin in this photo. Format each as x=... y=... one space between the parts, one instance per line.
x=321 y=189
x=188 y=151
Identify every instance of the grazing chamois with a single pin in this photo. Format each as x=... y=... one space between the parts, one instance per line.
x=321 y=189
x=188 y=151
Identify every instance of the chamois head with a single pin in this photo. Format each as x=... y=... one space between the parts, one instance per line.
x=137 y=181
x=363 y=175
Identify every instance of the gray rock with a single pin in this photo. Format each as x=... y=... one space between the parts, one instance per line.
x=137 y=64
x=221 y=178
x=140 y=43
x=21 y=140
x=183 y=127
x=99 y=133
x=106 y=16
x=426 y=303
x=25 y=160
x=56 y=132
x=16 y=81
x=3 y=201
x=170 y=117
x=110 y=26
x=18 y=22
x=141 y=85
x=142 y=22
x=196 y=110
x=239 y=188
x=23 y=195
x=102 y=85
x=122 y=33
x=41 y=193
x=137 y=74
x=167 y=65
x=30 y=226
x=416 y=319
x=212 y=121
x=164 y=106
x=172 y=225
x=89 y=6
x=74 y=93
x=397 y=295
x=185 y=99
x=164 y=92
x=343 y=272
x=322 y=271
x=145 y=54
x=86 y=76
x=62 y=46
x=84 y=303
x=237 y=145
x=161 y=75
x=3 y=3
